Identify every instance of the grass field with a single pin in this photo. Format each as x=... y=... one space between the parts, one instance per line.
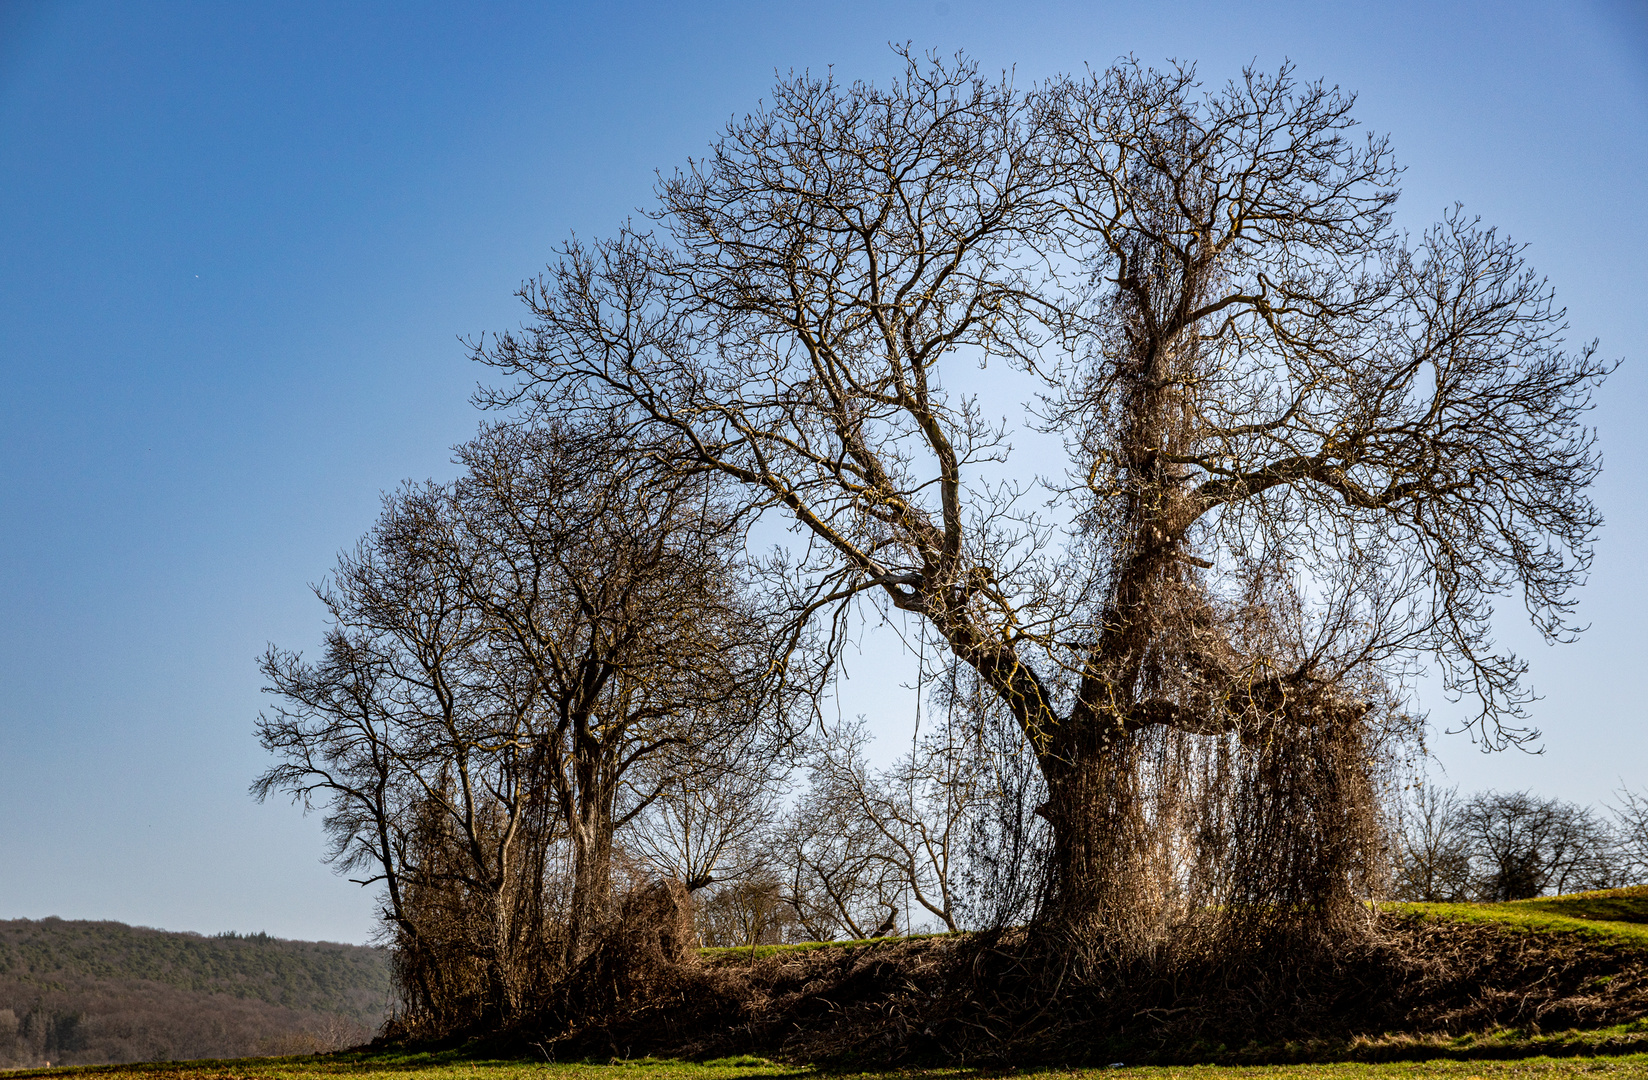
x=1618 y=915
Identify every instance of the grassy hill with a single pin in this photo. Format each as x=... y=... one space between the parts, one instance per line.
x=1619 y=916
x=94 y=992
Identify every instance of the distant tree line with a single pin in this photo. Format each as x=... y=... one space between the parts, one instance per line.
x=1496 y=846
x=80 y=1021
x=92 y=993
x=1291 y=454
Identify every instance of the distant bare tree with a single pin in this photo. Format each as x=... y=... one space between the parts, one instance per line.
x=1630 y=814
x=915 y=816
x=1431 y=847
x=710 y=820
x=1526 y=846
x=749 y=910
x=842 y=873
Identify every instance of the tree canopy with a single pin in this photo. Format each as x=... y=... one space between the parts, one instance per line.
x=1305 y=451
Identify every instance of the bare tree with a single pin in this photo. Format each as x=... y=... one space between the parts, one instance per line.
x=753 y=909
x=711 y=817
x=1432 y=848
x=1630 y=815
x=1303 y=453
x=914 y=818
x=1526 y=846
x=616 y=592
x=842 y=873
x=412 y=738
x=509 y=653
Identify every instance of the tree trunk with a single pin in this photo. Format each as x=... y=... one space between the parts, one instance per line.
x=591 y=879
x=502 y=971
x=1109 y=884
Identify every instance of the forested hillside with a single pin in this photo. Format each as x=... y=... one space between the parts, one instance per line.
x=93 y=992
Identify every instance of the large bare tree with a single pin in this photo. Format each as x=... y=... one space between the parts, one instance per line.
x=617 y=592
x=509 y=654
x=414 y=742
x=1305 y=452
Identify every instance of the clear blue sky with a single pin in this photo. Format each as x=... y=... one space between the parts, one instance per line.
x=238 y=244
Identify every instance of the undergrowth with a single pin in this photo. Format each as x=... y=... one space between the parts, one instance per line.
x=452 y=1067
x=1554 y=987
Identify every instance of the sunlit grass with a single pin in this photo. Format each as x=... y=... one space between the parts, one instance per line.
x=1615 y=915
x=1613 y=905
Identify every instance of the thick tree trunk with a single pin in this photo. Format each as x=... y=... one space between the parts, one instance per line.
x=591 y=880
x=1108 y=879
x=503 y=973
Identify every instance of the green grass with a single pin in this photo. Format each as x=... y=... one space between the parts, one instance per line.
x=445 y=1065
x=1628 y=905
x=452 y=1066
x=1613 y=915
x=759 y=951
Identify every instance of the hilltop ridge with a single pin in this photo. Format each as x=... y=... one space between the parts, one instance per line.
x=95 y=992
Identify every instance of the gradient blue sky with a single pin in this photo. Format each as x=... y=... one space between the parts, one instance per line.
x=238 y=244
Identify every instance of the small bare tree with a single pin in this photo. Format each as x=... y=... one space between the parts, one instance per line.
x=751 y=910
x=841 y=874
x=913 y=815
x=1431 y=847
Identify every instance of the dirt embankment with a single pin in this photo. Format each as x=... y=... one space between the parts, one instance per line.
x=975 y=1000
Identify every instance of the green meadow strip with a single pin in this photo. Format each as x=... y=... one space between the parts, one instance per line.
x=1521 y=915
